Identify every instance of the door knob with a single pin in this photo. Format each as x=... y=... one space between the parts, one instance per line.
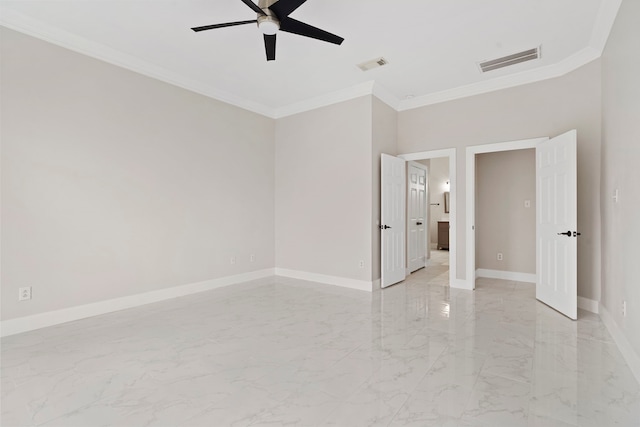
x=568 y=233
x=384 y=227
x=576 y=234
x=418 y=223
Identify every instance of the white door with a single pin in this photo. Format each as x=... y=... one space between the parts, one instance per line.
x=557 y=258
x=392 y=221
x=416 y=216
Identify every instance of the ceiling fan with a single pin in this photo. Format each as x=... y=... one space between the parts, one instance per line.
x=274 y=16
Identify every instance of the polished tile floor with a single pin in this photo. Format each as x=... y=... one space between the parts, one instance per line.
x=285 y=352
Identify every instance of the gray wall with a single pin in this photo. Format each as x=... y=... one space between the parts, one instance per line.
x=324 y=192
x=115 y=184
x=620 y=170
x=546 y=108
x=504 y=180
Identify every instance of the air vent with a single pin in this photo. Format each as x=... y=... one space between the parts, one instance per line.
x=374 y=63
x=508 y=60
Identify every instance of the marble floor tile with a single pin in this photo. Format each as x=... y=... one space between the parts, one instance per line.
x=285 y=352
x=498 y=401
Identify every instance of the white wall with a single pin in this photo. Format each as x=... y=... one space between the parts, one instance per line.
x=504 y=180
x=546 y=108
x=115 y=184
x=620 y=170
x=438 y=178
x=323 y=194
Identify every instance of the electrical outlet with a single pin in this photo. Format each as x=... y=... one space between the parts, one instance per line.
x=616 y=196
x=624 y=309
x=233 y=260
x=24 y=293
x=361 y=264
x=499 y=257
x=252 y=258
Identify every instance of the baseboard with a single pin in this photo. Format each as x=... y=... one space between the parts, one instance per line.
x=588 y=305
x=376 y=284
x=630 y=356
x=51 y=318
x=506 y=275
x=361 y=285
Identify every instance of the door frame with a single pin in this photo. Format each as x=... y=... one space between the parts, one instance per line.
x=454 y=282
x=471 y=152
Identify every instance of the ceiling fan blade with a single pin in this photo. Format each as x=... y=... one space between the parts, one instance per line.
x=270 y=46
x=290 y=25
x=254 y=7
x=226 y=24
x=283 y=8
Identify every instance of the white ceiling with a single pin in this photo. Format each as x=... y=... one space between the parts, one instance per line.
x=432 y=47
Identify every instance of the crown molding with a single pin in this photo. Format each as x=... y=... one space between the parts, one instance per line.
x=602 y=27
x=367 y=88
x=331 y=98
x=561 y=68
x=19 y=22
x=386 y=96
x=604 y=23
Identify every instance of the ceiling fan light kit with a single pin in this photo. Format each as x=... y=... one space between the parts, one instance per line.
x=274 y=17
x=268 y=24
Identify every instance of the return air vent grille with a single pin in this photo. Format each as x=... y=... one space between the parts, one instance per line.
x=508 y=60
x=374 y=63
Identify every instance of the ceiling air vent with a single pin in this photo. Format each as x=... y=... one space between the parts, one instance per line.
x=508 y=60
x=374 y=63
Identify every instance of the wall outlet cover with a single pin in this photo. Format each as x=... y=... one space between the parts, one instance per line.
x=24 y=293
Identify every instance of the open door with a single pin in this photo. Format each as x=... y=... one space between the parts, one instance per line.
x=557 y=259
x=392 y=221
x=417 y=221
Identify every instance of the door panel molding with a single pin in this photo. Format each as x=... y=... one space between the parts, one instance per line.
x=392 y=220
x=417 y=188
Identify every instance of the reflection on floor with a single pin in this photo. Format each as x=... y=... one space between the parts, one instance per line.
x=288 y=352
x=438 y=265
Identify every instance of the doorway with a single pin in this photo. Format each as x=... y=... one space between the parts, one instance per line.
x=556 y=211
x=443 y=257
x=472 y=152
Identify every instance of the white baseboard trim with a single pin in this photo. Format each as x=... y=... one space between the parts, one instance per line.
x=506 y=275
x=51 y=318
x=588 y=305
x=631 y=357
x=361 y=285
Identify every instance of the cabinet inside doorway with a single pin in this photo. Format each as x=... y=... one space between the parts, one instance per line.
x=443 y=235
